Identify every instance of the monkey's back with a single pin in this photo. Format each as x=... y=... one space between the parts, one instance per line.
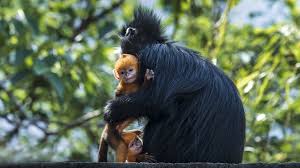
x=199 y=116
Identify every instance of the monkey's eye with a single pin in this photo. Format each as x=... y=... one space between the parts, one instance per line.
x=122 y=72
x=130 y=70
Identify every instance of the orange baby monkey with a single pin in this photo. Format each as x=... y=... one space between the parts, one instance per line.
x=135 y=144
x=127 y=145
x=126 y=71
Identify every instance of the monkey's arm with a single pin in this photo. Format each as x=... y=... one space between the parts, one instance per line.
x=119 y=90
x=134 y=105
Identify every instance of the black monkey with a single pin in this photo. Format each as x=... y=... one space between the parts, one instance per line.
x=194 y=110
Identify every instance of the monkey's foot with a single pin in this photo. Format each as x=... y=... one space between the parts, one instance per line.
x=149 y=75
x=146 y=158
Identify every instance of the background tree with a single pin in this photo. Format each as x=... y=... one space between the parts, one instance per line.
x=56 y=71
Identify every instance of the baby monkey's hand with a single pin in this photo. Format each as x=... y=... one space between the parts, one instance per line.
x=149 y=75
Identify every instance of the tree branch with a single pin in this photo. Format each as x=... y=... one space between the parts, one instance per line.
x=81 y=120
x=90 y=19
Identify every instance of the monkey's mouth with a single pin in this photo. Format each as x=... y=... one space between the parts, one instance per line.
x=129 y=80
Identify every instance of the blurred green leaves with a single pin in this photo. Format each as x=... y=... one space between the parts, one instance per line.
x=48 y=81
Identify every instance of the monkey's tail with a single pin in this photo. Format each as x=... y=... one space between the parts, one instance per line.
x=103 y=148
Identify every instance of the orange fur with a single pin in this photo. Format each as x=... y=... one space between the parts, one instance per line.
x=128 y=137
x=110 y=133
x=125 y=62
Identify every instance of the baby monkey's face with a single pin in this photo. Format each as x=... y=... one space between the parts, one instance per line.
x=128 y=74
x=126 y=68
x=136 y=145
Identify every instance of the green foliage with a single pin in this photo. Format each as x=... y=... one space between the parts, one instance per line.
x=57 y=57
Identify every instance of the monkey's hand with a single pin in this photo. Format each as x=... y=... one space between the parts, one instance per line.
x=134 y=105
x=146 y=158
x=149 y=75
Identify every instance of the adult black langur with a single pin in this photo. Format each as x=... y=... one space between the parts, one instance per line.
x=194 y=110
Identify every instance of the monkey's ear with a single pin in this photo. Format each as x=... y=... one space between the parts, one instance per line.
x=116 y=75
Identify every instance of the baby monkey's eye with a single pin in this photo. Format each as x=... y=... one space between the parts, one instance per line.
x=130 y=70
x=122 y=72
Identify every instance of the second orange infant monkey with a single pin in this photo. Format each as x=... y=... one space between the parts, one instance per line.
x=128 y=145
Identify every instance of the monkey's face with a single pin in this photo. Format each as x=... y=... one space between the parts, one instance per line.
x=128 y=74
x=142 y=30
x=136 y=146
x=126 y=68
x=132 y=39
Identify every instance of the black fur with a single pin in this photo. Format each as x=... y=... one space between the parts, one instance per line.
x=148 y=31
x=194 y=110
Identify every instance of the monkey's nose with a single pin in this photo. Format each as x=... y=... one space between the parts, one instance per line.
x=130 y=31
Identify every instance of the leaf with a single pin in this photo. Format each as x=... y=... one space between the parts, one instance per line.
x=20 y=55
x=266 y=81
x=56 y=83
x=92 y=77
x=32 y=19
x=19 y=27
x=19 y=76
x=40 y=67
x=50 y=60
x=244 y=81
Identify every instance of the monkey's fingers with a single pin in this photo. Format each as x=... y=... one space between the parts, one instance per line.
x=149 y=159
x=149 y=74
x=146 y=158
